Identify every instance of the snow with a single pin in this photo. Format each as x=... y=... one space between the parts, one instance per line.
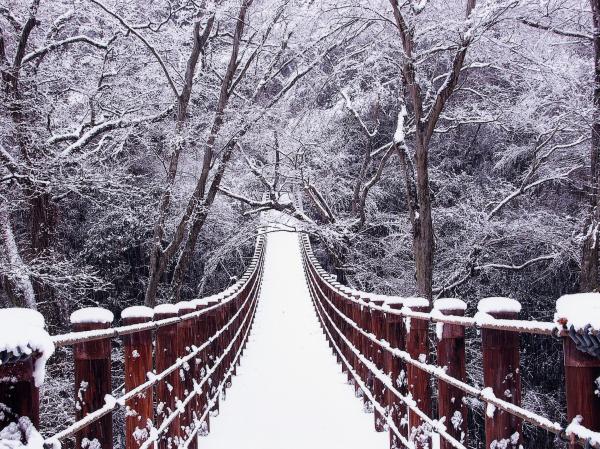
x=498 y=304
x=12 y=434
x=449 y=304
x=488 y=394
x=185 y=305
x=201 y=301
x=26 y=316
x=576 y=429
x=578 y=310
x=22 y=333
x=92 y=315
x=414 y=301
x=166 y=309
x=137 y=312
x=289 y=392
x=399 y=133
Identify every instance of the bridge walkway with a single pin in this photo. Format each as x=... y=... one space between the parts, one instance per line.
x=290 y=393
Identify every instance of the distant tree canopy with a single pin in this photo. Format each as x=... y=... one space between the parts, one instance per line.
x=439 y=148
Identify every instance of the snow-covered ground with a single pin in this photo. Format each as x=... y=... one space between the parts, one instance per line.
x=289 y=392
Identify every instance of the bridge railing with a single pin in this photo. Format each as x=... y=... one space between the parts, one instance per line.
x=382 y=343
x=178 y=360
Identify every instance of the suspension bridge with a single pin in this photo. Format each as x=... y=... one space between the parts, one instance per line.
x=288 y=357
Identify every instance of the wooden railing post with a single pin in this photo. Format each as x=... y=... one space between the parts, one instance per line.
x=417 y=345
x=396 y=369
x=185 y=340
x=201 y=363
x=137 y=348
x=582 y=370
x=166 y=391
x=92 y=376
x=501 y=373
x=451 y=356
x=213 y=353
x=378 y=328
x=18 y=389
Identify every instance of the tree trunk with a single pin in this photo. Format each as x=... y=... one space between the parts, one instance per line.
x=423 y=243
x=589 y=259
x=158 y=259
x=18 y=285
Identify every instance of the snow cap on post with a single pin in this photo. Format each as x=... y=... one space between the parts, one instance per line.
x=22 y=334
x=98 y=315
x=445 y=304
x=166 y=309
x=185 y=307
x=499 y=304
x=137 y=312
x=200 y=301
x=392 y=302
x=415 y=302
x=25 y=316
x=578 y=310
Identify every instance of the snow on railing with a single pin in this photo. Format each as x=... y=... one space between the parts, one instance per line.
x=384 y=340
x=185 y=354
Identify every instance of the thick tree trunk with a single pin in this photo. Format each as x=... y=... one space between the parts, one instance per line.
x=589 y=259
x=423 y=244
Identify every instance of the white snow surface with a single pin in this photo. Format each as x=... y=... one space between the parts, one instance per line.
x=498 y=304
x=92 y=315
x=166 y=308
x=579 y=310
x=449 y=304
x=23 y=333
x=289 y=391
x=415 y=301
x=22 y=315
x=137 y=312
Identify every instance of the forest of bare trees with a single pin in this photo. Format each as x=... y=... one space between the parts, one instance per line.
x=439 y=148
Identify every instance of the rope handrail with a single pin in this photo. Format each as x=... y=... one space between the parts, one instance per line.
x=170 y=355
x=214 y=398
x=364 y=388
x=319 y=281
x=178 y=410
x=440 y=428
x=121 y=401
x=440 y=374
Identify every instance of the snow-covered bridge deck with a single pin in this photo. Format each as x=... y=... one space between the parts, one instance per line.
x=290 y=392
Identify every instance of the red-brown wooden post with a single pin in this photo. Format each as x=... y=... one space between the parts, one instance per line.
x=201 y=365
x=92 y=376
x=377 y=355
x=166 y=354
x=501 y=372
x=451 y=355
x=214 y=352
x=137 y=347
x=582 y=370
x=19 y=391
x=394 y=366
x=417 y=345
x=185 y=339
